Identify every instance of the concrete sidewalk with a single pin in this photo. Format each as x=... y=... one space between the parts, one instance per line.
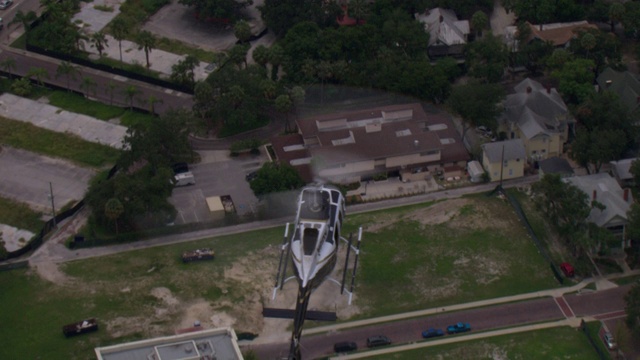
x=55 y=119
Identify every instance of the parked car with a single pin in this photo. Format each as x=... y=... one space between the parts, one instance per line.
x=567 y=269
x=458 y=328
x=430 y=333
x=379 y=340
x=251 y=176
x=5 y=4
x=345 y=346
x=609 y=341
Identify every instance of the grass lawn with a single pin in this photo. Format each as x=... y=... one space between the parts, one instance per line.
x=556 y=343
x=478 y=251
x=25 y=136
x=429 y=257
x=19 y=215
x=79 y=104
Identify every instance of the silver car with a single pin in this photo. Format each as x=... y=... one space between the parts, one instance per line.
x=609 y=341
x=5 y=4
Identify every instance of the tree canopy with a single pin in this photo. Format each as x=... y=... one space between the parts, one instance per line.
x=478 y=104
x=275 y=177
x=226 y=11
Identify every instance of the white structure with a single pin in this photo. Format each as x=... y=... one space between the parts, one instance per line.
x=444 y=27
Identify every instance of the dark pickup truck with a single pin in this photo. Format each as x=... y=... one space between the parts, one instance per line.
x=80 y=327
x=197 y=255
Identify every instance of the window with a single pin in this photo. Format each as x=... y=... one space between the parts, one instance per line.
x=510 y=172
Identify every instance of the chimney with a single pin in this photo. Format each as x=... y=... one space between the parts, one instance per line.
x=626 y=195
x=608 y=82
x=528 y=89
x=594 y=195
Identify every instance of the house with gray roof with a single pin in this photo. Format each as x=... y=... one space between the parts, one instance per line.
x=626 y=85
x=504 y=159
x=621 y=170
x=555 y=165
x=604 y=189
x=537 y=115
x=447 y=34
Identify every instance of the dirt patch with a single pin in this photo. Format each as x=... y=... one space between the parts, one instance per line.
x=51 y=272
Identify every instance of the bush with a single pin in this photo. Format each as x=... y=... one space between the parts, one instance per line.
x=251 y=145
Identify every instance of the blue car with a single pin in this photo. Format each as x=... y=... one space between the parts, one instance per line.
x=430 y=333
x=458 y=328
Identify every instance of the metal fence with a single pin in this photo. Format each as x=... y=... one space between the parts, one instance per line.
x=541 y=248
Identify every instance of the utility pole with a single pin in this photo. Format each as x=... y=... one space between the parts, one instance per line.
x=53 y=206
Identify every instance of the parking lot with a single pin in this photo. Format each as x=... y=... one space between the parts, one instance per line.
x=217 y=174
x=25 y=177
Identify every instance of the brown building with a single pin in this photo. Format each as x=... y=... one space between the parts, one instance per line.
x=392 y=140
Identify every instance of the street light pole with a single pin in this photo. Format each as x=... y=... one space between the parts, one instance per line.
x=53 y=206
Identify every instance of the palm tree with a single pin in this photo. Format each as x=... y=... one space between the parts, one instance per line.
x=89 y=85
x=69 y=70
x=146 y=41
x=616 y=12
x=283 y=105
x=479 y=22
x=276 y=57
x=242 y=31
x=130 y=92
x=25 y=19
x=152 y=102
x=588 y=41
x=8 y=65
x=38 y=74
x=111 y=87
x=99 y=41
x=113 y=208
x=120 y=29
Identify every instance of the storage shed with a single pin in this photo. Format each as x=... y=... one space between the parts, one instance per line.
x=475 y=171
x=215 y=207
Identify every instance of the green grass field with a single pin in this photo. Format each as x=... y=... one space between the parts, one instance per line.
x=19 y=215
x=480 y=252
x=25 y=136
x=562 y=343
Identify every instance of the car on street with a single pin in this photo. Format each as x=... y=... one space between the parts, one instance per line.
x=5 y=4
x=567 y=269
x=379 y=340
x=431 y=333
x=458 y=328
x=609 y=341
x=345 y=346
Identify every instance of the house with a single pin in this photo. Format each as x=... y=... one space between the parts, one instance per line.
x=626 y=85
x=353 y=146
x=604 y=189
x=621 y=170
x=447 y=34
x=504 y=159
x=537 y=115
x=557 y=34
x=555 y=165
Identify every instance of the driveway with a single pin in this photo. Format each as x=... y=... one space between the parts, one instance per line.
x=217 y=174
x=25 y=177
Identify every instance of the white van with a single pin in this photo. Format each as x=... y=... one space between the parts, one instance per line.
x=184 y=179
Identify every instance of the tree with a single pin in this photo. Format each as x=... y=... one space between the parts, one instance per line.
x=275 y=177
x=183 y=72
x=635 y=171
x=284 y=105
x=25 y=19
x=8 y=65
x=99 y=41
x=632 y=308
x=113 y=209
x=22 y=86
x=68 y=70
x=633 y=216
x=130 y=93
x=478 y=104
x=557 y=59
x=224 y=11
x=631 y=19
x=111 y=87
x=152 y=104
x=261 y=55
x=575 y=80
x=276 y=57
x=479 y=22
x=281 y=15
x=238 y=55
x=566 y=207
x=616 y=13
x=487 y=58
x=242 y=31
x=88 y=85
x=588 y=41
x=359 y=10
x=146 y=41
x=120 y=29
x=38 y=74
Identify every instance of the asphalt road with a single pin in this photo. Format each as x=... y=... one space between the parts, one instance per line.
x=481 y=319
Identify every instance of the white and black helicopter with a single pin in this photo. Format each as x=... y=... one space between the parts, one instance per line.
x=312 y=249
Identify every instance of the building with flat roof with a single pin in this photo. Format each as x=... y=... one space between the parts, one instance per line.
x=209 y=344
x=354 y=146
